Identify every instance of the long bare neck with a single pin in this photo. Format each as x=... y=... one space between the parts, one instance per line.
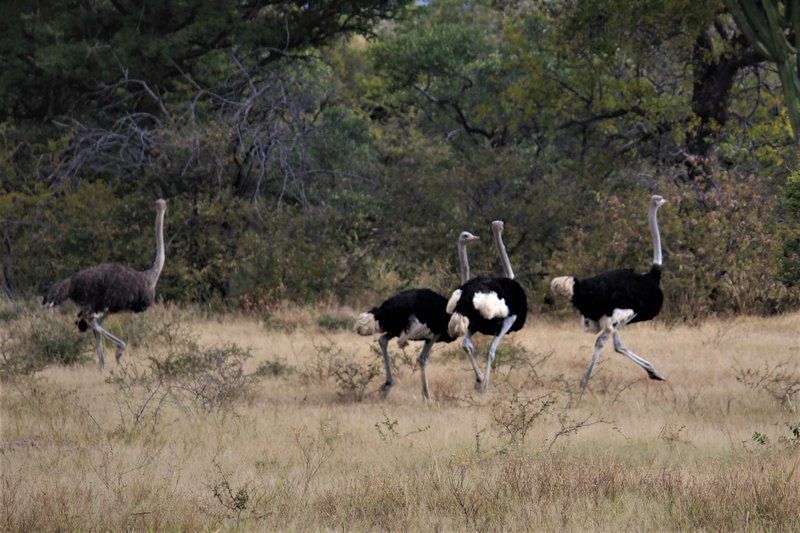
x=462 y=258
x=155 y=271
x=656 y=235
x=498 y=239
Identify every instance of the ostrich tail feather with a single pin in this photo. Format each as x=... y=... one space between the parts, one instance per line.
x=458 y=325
x=366 y=324
x=453 y=301
x=563 y=286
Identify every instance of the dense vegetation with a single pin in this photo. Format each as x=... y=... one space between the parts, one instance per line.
x=334 y=150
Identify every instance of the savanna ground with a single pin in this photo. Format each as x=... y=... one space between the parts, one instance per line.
x=297 y=437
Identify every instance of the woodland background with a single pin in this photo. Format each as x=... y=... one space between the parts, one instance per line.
x=332 y=151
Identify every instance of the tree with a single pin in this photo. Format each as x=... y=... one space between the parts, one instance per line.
x=773 y=28
x=56 y=53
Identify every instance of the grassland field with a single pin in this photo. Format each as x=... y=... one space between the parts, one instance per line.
x=298 y=438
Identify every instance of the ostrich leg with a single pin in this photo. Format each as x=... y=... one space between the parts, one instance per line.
x=386 y=387
x=469 y=348
x=116 y=340
x=507 y=323
x=100 y=359
x=423 y=364
x=652 y=373
x=598 y=347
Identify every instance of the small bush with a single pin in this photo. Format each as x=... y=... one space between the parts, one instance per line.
x=273 y=369
x=57 y=345
x=353 y=378
x=514 y=417
x=40 y=340
x=781 y=381
x=211 y=376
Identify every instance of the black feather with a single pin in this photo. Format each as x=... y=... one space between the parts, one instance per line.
x=506 y=288
x=427 y=306
x=598 y=296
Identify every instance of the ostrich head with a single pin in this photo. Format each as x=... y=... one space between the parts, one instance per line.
x=161 y=205
x=465 y=237
x=497 y=226
x=657 y=201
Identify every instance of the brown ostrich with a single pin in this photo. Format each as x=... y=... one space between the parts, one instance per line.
x=110 y=288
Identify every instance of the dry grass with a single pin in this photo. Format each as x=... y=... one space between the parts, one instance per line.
x=712 y=448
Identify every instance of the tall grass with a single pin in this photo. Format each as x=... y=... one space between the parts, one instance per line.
x=705 y=450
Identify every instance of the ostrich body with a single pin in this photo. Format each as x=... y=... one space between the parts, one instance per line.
x=488 y=305
x=411 y=315
x=611 y=300
x=110 y=288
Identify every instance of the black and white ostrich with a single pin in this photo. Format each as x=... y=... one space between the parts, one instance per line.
x=492 y=306
x=111 y=288
x=609 y=301
x=412 y=315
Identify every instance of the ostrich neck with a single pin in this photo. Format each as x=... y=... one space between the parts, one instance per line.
x=155 y=271
x=462 y=257
x=503 y=255
x=656 y=235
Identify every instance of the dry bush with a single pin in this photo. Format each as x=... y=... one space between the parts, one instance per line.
x=780 y=380
x=191 y=374
x=139 y=395
x=329 y=360
x=213 y=376
x=316 y=446
x=515 y=416
x=243 y=502
x=353 y=377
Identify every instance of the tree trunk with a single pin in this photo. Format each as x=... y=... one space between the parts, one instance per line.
x=5 y=263
x=714 y=75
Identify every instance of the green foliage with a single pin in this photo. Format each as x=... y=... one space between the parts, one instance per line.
x=77 y=46
x=347 y=175
x=771 y=26
x=275 y=368
x=40 y=339
x=789 y=263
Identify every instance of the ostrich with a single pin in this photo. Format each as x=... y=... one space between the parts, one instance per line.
x=492 y=306
x=609 y=301
x=111 y=288
x=412 y=315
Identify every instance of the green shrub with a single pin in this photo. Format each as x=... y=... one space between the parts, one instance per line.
x=274 y=368
x=57 y=345
x=789 y=262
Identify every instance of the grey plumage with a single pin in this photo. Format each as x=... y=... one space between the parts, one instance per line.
x=105 y=288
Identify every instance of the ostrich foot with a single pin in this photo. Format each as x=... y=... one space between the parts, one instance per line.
x=653 y=374
x=385 y=388
x=120 y=353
